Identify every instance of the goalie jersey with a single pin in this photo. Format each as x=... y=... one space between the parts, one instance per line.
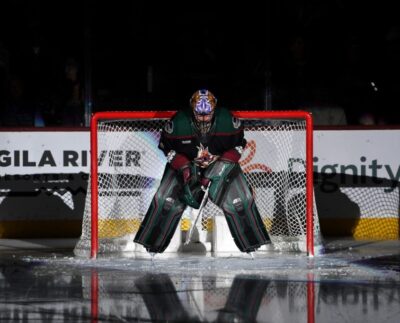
x=181 y=135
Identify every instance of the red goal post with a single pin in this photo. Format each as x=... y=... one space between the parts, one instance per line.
x=152 y=115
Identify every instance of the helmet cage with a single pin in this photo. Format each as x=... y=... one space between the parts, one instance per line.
x=203 y=103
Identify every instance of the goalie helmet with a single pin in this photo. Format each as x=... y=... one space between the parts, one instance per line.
x=203 y=104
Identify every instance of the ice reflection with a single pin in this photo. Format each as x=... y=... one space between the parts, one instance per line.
x=217 y=299
x=44 y=291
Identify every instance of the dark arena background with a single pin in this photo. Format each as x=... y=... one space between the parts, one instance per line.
x=64 y=63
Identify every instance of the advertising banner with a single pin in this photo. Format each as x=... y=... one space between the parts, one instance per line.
x=357 y=175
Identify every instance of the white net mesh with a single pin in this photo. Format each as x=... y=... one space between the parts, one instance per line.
x=130 y=167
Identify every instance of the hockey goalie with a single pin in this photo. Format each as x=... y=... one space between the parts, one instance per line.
x=203 y=146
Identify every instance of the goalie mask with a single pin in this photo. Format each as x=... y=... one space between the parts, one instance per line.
x=203 y=104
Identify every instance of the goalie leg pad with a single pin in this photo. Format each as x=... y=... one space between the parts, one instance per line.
x=163 y=215
x=241 y=213
x=221 y=174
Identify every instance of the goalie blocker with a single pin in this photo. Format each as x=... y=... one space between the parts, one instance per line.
x=229 y=190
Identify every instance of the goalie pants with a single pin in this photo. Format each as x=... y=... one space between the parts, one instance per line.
x=166 y=208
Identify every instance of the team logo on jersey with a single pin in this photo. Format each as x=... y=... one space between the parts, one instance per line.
x=204 y=157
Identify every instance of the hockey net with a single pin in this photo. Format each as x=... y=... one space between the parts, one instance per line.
x=127 y=167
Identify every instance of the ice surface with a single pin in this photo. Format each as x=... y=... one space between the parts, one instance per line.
x=351 y=281
x=343 y=260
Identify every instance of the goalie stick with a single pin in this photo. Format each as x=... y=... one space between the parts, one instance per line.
x=203 y=203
